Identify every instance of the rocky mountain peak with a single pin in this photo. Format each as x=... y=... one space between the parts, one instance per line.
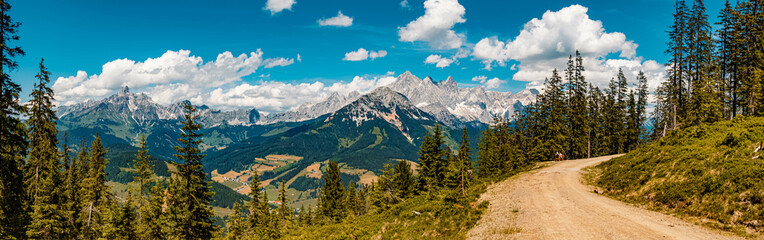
x=124 y=90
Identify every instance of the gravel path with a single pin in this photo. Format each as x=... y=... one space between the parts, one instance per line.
x=553 y=203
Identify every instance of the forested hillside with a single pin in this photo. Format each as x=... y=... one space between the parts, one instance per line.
x=705 y=160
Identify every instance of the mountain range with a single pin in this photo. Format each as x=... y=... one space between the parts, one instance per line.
x=363 y=132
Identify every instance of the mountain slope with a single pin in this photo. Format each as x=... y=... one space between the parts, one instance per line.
x=712 y=172
x=365 y=134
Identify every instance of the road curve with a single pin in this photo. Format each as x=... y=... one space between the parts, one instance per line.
x=553 y=203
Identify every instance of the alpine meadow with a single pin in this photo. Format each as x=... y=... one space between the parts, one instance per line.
x=284 y=119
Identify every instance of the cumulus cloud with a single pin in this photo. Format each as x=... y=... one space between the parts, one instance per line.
x=544 y=44
x=435 y=26
x=276 y=6
x=339 y=21
x=178 y=75
x=362 y=54
x=438 y=60
x=272 y=97
x=492 y=83
x=174 y=76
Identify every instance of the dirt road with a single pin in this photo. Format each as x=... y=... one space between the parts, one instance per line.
x=554 y=203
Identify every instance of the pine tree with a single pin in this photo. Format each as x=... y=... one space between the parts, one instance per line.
x=432 y=160
x=236 y=223
x=726 y=50
x=190 y=195
x=488 y=154
x=552 y=116
x=704 y=104
x=43 y=169
x=332 y=194
x=641 y=106
x=72 y=185
x=153 y=217
x=403 y=181
x=13 y=215
x=597 y=123
x=144 y=171
x=577 y=118
x=306 y=216
x=284 y=211
x=95 y=193
x=351 y=200
x=258 y=207
x=464 y=165
x=632 y=121
x=119 y=223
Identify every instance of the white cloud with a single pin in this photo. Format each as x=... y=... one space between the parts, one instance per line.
x=276 y=6
x=490 y=50
x=278 y=62
x=177 y=76
x=174 y=76
x=299 y=58
x=339 y=21
x=544 y=44
x=435 y=26
x=363 y=54
x=405 y=4
x=438 y=60
x=492 y=83
x=272 y=97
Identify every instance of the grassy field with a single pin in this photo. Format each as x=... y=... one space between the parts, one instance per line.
x=708 y=173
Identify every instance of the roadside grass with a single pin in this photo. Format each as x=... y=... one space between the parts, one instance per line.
x=419 y=217
x=705 y=173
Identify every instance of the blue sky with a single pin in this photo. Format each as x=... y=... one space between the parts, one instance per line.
x=83 y=35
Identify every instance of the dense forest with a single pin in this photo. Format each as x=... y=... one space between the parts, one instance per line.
x=712 y=75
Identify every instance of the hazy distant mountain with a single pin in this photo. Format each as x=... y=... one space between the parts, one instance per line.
x=445 y=100
x=466 y=104
x=138 y=109
x=308 y=111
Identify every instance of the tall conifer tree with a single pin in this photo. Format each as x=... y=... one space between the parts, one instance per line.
x=13 y=215
x=190 y=195
x=43 y=170
x=96 y=198
x=332 y=205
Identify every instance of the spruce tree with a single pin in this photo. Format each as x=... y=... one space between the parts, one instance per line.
x=258 y=207
x=119 y=223
x=144 y=171
x=236 y=224
x=632 y=121
x=43 y=170
x=72 y=185
x=432 y=162
x=464 y=165
x=96 y=198
x=577 y=105
x=704 y=103
x=403 y=182
x=284 y=211
x=351 y=200
x=191 y=216
x=332 y=205
x=641 y=105
x=153 y=218
x=13 y=215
